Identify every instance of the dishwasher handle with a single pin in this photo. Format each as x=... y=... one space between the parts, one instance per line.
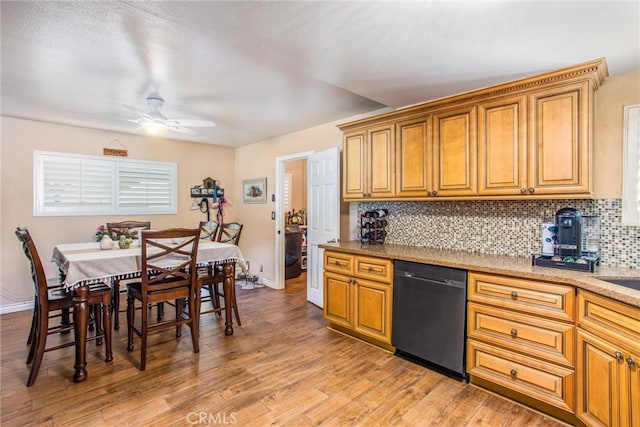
x=407 y=275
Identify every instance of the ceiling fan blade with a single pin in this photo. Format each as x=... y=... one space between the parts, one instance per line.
x=190 y=123
x=182 y=130
x=136 y=110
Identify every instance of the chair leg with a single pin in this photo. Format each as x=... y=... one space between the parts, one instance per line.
x=143 y=340
x=39 y=343
x=66 y=320
x=160 y=311
x=234 y=305
x=194 y=313
x=106 y=320
x=215 y=297
x=115 y=302
x=97 y=317
x=196 y=310
x=179 y=309
x=34 y=338
x=34 y=320
x=131 y=317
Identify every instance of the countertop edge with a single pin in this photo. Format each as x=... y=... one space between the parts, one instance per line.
x=503 y=265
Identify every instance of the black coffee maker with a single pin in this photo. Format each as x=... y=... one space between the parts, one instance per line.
x=569 y=241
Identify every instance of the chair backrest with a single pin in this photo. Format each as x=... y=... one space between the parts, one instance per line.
x=230 y=233
x=169 y=259
x=37 y=270
x=128 y=228
x=209 y=230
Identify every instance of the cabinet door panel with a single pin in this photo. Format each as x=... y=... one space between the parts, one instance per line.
x=413 y=158
x=353 y=166
x=560 y=140
x=502 y=157
x=338 y=299
x=633 y=401
x=373 y=310
x=454 y=151
x=598 y=383
x=381 y=168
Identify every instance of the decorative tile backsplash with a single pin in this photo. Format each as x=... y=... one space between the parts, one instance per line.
x=506 y=227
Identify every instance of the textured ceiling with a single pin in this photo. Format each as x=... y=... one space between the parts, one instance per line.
x=264 y=69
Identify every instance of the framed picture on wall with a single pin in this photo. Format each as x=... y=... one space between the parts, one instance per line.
x=254 y=190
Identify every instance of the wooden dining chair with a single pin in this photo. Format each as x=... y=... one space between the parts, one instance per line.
x=209 y=230
x=214 y=276
x=52 y=301
x=168 y=275
x=130 y=229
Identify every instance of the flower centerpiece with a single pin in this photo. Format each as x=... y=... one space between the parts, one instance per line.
x=101 y=231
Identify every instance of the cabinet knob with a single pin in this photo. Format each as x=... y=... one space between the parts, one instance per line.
x=631 y=362
x=619 y=356
x=523 y=190
x=532 y=190
x=514 y=332
x=514 y=295
x=514 y=373
x=434 y=193
x=428 y=193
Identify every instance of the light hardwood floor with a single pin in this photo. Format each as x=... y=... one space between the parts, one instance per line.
x=281 y=367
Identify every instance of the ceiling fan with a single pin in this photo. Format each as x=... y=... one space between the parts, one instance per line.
x=152 y=122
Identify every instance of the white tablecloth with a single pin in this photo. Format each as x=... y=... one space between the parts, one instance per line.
x=85 y=263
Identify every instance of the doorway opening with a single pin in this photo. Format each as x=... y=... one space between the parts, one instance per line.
x=291 y=213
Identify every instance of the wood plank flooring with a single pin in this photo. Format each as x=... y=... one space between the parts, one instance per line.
x=282 y=367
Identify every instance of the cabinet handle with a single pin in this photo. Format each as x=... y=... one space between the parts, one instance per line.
x=435 y=193
x=532 y=190
x=428 y=193
x=631 y=362
x=514 y=373
x=514 y=332
x=619 y=356
x=523 y=190
x=514 y=295
x=369 y=268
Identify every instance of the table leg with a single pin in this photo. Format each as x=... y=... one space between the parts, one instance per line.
x=229 y=283
x=80 y=321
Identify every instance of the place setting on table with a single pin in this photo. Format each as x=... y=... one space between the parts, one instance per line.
x=110 y=260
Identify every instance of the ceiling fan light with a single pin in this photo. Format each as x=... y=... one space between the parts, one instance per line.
x=153 y=128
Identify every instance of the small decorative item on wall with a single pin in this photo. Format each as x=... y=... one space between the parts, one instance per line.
x=254 y=190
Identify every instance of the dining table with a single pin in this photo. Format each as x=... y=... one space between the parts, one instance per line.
x=83 y=264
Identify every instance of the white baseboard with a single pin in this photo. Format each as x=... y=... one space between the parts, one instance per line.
x=267 y=283
x=12 y=308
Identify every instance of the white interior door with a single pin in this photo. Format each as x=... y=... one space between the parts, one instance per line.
x=323 y=215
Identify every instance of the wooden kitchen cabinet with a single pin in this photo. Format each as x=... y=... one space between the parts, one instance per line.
x=608 y=350
x=358 y=294
x=530 y=138
x=502 y=146
x=454 y=152
x=414 y=158
x=521 y=337
x=368 y=163
x=560 y=139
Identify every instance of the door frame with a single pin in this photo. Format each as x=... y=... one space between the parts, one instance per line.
x=279 y=214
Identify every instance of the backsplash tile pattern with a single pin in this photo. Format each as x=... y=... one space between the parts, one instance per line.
x=506 y=227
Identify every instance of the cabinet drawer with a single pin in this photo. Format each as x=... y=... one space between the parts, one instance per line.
x=547 y=339
x=338 y=262
x=537 y=379
x=530 y=296
x=615 y=320
x=377 y=269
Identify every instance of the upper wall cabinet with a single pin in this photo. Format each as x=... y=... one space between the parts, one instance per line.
x=531 y=138
x=368 y=164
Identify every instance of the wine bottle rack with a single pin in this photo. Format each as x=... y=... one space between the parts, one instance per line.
x=373 y=226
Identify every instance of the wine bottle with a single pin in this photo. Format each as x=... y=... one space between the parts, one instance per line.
x=379 y=213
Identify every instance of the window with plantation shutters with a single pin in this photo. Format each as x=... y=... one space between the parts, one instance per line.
x=68 y=184
x=631 y=167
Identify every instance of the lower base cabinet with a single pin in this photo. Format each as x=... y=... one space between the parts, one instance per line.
x=608 y=376
x=358 y=294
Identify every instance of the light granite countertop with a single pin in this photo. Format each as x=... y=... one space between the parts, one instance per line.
x=502 y=264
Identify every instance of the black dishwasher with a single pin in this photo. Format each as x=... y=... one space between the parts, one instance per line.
x=429 y=315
